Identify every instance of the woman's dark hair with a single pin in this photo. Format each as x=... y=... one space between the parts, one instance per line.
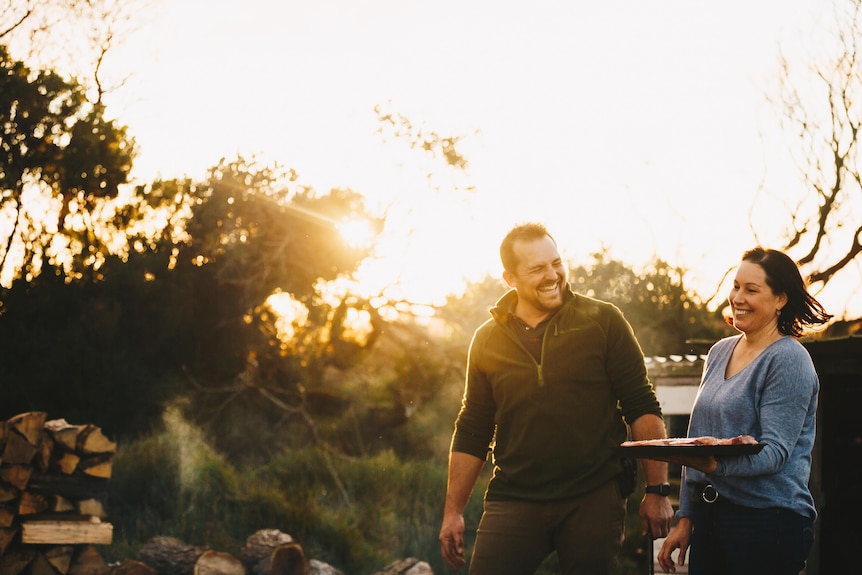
x=783 y=277
x=521 y=232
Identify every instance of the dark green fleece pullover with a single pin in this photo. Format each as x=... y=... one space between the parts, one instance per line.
x=553 y=427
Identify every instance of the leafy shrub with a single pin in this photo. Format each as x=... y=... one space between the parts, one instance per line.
x=356 y=513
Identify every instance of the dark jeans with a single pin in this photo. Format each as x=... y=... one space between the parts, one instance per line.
x=514 y=537
x=730 y=539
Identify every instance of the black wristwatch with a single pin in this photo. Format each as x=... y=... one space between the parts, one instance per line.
x=662 y=489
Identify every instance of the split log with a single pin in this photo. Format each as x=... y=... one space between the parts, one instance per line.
x=99 y=465
x=73 y=487
x=67 y=463
x=40 y=566
x=258 y=548
x=32 y=503
x=15 y=562
x=66 y=532
x=16 y=475
x=46 y=451
x=289 y=559
x=35 y=503
x=8 y=493
x=29 y=425
x=50 y=517
x=59 y=504
x=132 y=567
x=91 y=508
x=60 y=558
x=7 y=517
x=7 y=534
x=87 y=561
x=85 y=439
x=218 y=563
x=170 y=556
x=18 y=449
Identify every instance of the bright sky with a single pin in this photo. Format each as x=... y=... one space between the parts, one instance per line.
x=641 y=126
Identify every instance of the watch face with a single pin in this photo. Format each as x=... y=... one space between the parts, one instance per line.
x=663 y=489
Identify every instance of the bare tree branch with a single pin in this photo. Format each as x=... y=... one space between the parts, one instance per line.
x=854 y=250
x=12 y=26
x=826 y=125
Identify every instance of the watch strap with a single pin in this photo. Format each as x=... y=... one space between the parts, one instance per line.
x=660 y=489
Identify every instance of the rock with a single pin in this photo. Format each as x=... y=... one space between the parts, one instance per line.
x=320 y=568
x=409 y=566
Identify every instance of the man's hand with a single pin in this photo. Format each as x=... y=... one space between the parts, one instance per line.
x=656 y=515
x=656 y=512
x=452 y=540
x=463 y=471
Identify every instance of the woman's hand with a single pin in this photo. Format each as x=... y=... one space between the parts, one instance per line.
x=705 y=463
x=678 y=538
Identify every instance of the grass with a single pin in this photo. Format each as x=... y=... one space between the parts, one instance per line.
x=357 y=514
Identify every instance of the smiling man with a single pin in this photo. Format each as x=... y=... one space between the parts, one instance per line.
x=555 y=381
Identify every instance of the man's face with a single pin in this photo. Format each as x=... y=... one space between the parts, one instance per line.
x=539 y=277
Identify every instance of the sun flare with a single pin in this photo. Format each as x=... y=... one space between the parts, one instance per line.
x=357 y=233
x=291 y=314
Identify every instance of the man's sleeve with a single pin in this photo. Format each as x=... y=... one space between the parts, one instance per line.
x=474 y=426
x=627 y=370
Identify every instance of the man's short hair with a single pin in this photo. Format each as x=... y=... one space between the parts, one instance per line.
x=521 y=232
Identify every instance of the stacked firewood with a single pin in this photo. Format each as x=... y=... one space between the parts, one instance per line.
x=53 y=477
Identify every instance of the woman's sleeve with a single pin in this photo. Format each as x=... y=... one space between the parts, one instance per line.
x=787 y=388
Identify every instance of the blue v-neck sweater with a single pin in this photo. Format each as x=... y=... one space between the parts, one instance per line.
x=773 y=399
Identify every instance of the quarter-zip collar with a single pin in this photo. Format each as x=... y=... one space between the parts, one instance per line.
x=507 y=302
x=504 y=314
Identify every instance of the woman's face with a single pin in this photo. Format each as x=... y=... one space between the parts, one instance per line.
x=754 y=305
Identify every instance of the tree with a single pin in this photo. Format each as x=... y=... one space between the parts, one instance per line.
x=61 y=161
x=666 y=317
x=463 y=313
x=821 y=112
x=183 y=316
x=115 y=309
x=249 y=237
x=72 y=36
x=399 y=127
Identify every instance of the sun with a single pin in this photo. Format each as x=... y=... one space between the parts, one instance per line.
x=357 y=233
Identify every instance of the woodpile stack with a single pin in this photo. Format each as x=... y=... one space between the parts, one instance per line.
x=266 y=552
x=53 y=476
